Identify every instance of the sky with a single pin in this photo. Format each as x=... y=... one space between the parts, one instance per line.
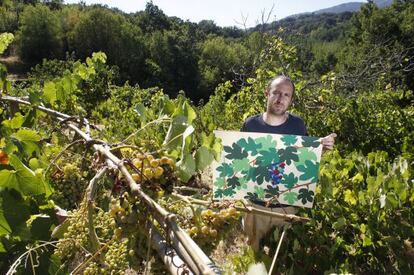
x=224 y=13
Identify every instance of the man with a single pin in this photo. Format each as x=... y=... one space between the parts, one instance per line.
x=276 y=120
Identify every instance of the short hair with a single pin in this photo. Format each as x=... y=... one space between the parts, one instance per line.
x=281 y=78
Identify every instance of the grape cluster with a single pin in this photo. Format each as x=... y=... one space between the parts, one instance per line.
x=124 y=211
x=276 y=172
x=114 y=261
x=113 y=257
x=154 y=174
x=69 y=186
x=76 y=235
x=213 y=223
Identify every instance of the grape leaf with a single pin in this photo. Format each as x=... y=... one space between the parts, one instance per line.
x=203 y=157
x=288 y=155
x=249 y=145
x=289 y=180
x=266 y=142
x=310 y=141
x=225 y=170
x=305 y=154
x=289 y=140
x=23 y=179
x=16 y=212
x=272 y=191
x=310 y=171
x=49 y=92
x=233 y=182
x=306 y=195
x=235 y=152
x=26 y=140
x=186 y=167
x=268 y=157
x=241 y=164
x=290 y=197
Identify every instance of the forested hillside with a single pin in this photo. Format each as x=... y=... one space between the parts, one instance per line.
x=106 y=137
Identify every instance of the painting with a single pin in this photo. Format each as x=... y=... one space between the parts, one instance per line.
x=281 y=169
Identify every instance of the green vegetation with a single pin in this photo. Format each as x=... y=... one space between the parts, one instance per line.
x=353 y=76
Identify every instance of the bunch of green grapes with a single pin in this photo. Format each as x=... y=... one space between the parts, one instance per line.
x=114 y=261
x=125 y=211
x=206 y=226
x=76 y=238
x=156 y=175
x=76 y=235
x=69 y=186
x=213 y=224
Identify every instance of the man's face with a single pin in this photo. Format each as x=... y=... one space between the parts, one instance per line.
x=279 y=97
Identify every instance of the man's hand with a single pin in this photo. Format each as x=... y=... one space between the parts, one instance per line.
x=328 y=142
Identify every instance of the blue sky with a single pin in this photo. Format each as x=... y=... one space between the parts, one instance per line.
x=224 y=12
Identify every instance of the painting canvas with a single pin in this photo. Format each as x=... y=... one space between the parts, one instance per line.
x=271 y=168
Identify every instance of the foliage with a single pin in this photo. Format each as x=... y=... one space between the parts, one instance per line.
x=40 y=34
x=362 y=219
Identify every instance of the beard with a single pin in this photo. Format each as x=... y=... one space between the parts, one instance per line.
x=277 y=109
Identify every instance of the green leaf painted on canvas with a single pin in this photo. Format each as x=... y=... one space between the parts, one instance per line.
x=250 y=145
x=220 y=182
x=261 y=174
x=288 y=155
x=267 y=157
x=289 y=180
x=218 y=193
x=305 y=154
x=235 y=152
x=260 y=192
x=241 y=165
x=225 y=170
x=289 y=140
x=272 y=191
x=290 y=197
x=233 y=182
x=310 y=171
x=310 y=141
x=243 y=183
x=229 y=192
x=266 y=142
x=306 y=195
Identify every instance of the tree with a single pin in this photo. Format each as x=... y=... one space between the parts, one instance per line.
x=40 y=34
x=220 y=60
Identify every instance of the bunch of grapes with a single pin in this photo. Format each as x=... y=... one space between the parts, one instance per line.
x=125 y=212
x=112 y=258
x=69 y=186
x=114 y=261
x=214 y=223
x=276 y=172
x=154 y=174
x=76 y=235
